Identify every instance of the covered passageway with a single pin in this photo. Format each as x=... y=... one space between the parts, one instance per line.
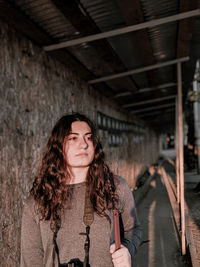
x=132 y=67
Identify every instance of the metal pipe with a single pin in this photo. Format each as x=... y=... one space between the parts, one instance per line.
x=181 y=158
x=197 y=125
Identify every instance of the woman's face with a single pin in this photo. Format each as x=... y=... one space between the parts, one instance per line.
x=78 y=147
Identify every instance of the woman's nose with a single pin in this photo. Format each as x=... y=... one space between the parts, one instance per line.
x=83 y=143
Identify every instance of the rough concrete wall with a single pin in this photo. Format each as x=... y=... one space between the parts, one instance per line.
x=35 y=91
x=132 y=158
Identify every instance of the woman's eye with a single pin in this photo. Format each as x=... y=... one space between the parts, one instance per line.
x=73 y=138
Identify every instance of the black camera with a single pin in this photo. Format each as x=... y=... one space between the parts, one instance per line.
x=74 y=263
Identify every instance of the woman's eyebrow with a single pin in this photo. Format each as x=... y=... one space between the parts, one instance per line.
x=74 y=133
x=88 y=133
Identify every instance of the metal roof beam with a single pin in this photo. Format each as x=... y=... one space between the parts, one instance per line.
x=156 y=113
x=144 y=90
x=149 y=101
x=149 y=114
x=122 y=94
x=162 y=86
x=152 y=108
x=139 y=70
x=124 y=30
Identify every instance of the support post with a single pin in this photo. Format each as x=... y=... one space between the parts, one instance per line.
x=181 y=158
x=177 y=156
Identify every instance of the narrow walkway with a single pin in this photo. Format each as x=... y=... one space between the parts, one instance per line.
x=160 y=247
x=192 y=208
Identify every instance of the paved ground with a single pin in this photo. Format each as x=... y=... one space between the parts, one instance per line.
x=160 y=247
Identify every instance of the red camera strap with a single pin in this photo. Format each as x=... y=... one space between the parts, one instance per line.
x=117 y=229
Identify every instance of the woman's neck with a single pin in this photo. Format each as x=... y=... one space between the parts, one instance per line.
x=78 y=175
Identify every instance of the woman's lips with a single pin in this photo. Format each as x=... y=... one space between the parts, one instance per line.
x=81 y=154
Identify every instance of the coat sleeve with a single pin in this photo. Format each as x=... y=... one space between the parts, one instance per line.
x=31 y=242
x=132 y=229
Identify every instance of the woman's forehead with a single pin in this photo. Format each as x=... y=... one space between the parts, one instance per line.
x=80 y=126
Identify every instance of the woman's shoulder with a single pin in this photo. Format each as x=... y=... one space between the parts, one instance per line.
x=123 y=191
x=121 y=185
x=120 y=181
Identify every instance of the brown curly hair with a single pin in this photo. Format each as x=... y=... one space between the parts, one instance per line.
x=51 y=189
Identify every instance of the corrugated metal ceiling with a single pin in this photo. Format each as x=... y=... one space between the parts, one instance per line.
x=47 y=16
x=123 y=49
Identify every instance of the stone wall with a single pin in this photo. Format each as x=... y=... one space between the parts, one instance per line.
x=35 y=91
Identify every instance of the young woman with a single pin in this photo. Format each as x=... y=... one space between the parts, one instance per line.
x=72 y=172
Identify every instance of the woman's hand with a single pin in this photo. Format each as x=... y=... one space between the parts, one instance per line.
x=121 y=257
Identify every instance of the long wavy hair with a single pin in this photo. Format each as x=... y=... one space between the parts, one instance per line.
x=51 y=189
